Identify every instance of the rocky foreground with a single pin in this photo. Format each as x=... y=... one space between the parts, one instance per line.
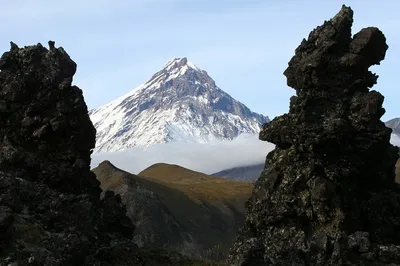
x=51 y=212
x=50 y=207
x=328 y=196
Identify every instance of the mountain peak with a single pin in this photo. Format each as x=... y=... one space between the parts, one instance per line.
x=106 y=164
x=394 y=124
x=180 y=62
x=179 y=103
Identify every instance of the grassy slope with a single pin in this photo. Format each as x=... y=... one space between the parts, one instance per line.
x=219 y=202
x=211 y=208
x=176 y=201
x=198 y=185
x=217 y=194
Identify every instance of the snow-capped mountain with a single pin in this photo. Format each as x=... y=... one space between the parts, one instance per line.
x=179 y=103
x=394 y=124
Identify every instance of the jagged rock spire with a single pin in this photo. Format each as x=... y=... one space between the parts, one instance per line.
x=50 y=207
x=328 y=196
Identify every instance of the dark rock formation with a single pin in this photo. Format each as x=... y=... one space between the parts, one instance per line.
x=44 y=122
x=50 y=207
x=328 y=196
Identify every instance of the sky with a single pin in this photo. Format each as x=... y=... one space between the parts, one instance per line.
x=244 y=45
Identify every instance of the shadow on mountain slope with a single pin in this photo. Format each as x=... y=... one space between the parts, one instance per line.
x=178 y=209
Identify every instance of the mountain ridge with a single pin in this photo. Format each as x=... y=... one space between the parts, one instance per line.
x=170 y=212
x=180 y=103
x=249 y=173
x=394 y=124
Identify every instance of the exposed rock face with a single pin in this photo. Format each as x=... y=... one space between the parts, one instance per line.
x=328 y=196
x=50 y=207
x=44 y=121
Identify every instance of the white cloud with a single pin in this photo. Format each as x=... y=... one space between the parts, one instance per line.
x=395 y=140
x=206 y=158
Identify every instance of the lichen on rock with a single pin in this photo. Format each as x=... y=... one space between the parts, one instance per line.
x=328 y=195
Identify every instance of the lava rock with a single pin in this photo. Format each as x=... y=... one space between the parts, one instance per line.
x=45 y=125
x=328 y=194
x=50 y=207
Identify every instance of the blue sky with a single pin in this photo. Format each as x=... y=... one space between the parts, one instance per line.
x=244 y=45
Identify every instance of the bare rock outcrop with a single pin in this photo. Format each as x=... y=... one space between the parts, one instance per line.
x=328 y=196
x=50 y=207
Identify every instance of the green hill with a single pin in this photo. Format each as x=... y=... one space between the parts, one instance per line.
x=179 y=209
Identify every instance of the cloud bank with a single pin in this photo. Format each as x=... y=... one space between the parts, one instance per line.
x=395 y=140
x=207 y=158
